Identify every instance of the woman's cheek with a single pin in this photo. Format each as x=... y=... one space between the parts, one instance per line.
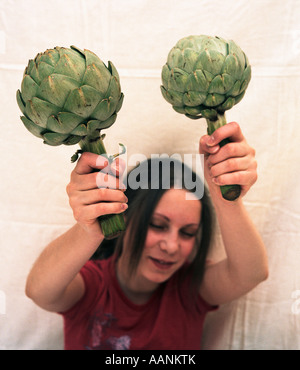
x=188 y=249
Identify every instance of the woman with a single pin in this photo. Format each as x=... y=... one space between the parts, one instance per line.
x=155 y=290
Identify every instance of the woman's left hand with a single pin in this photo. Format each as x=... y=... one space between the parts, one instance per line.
x=234 y=163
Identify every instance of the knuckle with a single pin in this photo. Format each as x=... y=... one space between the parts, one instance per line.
x=102 y=193
x=255 y=165
x=84 y=156
x=102 y=179
x=235 y=125
x=213 y=171
x=69 y=189
x=77 y=214
x=254 y=177
x=237 y=178
x=231 y=164
x=230 y=149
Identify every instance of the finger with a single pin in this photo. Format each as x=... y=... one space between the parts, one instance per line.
x=206 y=148
x=244 y=178
x=232 y=165
x=105 y=180
x=84 y=182
x=118 y=167
x=88 y=162
x=101 y=195
x=93 y=211
x=230 y=150
x=231 y=131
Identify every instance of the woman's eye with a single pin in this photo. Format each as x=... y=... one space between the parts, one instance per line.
x=157 y=226
x=188 y=235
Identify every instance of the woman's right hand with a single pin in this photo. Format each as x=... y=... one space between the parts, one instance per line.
x=96 y=189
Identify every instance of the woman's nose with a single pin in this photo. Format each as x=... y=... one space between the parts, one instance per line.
x=170 y=243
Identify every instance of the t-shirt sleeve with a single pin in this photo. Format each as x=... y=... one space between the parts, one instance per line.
x=203 y=306
x=92 y=274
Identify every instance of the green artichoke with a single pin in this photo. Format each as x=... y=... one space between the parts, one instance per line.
x=67 y=97
x=204 y=76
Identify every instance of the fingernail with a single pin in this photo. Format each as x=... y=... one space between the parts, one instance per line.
x=215 y=149
x=124 y=206
x=211 y=140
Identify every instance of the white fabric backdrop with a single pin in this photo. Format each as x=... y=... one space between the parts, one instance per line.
x=137 y=35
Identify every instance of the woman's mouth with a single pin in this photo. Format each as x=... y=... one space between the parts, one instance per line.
x=162 y=264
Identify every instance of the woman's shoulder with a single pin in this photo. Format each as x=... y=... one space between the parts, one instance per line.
x=97 y=267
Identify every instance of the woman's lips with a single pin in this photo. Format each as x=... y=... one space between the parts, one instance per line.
x=162 y=264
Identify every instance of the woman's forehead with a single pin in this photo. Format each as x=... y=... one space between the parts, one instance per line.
x=175 y=204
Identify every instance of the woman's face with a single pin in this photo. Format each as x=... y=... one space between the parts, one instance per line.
x=171 y=236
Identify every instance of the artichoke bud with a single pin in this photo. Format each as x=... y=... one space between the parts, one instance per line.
x=205 y=74
x=67 y=94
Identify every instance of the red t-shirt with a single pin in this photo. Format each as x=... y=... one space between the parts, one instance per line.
x=105 y=318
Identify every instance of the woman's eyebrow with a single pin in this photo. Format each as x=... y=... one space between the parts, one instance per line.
x=161 y=215
x=167 y=219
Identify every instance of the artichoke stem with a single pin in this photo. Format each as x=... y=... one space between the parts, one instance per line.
x=92 y=145
x=111 y=225
x=229 y=192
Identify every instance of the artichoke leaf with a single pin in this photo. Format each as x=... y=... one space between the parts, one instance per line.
x=39 y=111
x=246 y=77
x=210 y=61
x=120 y=103
x=30 y=65
x=63 y=123
x=29 y=88
x=110 y=121
x=173 y=97
x=97 y=76
x=50 y=56
x=193 y=111
x=35 y=73
x=235 y=50
x=20 y=101
x=197 y=82
x=80 y=130
x=239 y=97
x=56 y=88
x=190 y=59
x=235 y=89
x=104 y=109
x=214 y=100
x=175 y=58
x=31 y=127
x=178 y=80
x=228 y=104
x=41 y=71
x=72 y=139
x=113 y=70
x=165 y=75
x=209 y=76
x=93 y=125
x=70 y=66
x=114 y=89
x=82 y=101
x=78 y=50
x=210 y=114
x=92 y=58
x=54 y=139
x=232 y=67
x=194 y=98
x=179 y=109
x=221 y=84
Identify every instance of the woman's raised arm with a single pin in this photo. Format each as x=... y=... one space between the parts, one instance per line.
x=246 y=263
x=54 y=282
